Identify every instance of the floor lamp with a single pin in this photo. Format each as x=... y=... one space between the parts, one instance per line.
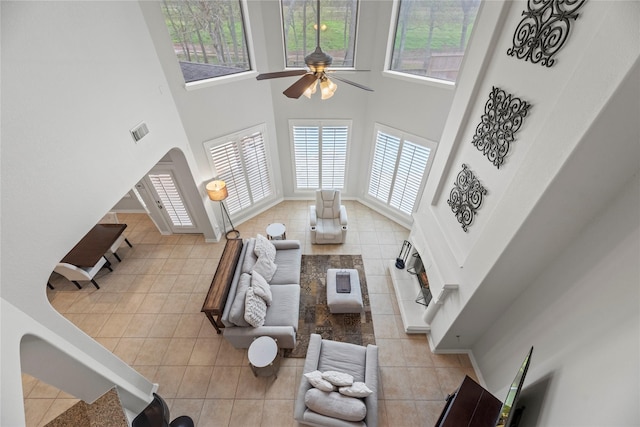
x=217 y=191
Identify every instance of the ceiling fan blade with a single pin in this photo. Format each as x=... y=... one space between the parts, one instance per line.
x=279 y=74
x=298 y=88
x=333 y=76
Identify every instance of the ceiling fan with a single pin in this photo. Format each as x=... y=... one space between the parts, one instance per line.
x=318 y=63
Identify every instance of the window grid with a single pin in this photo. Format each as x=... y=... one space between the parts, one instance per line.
x=430 y=37
x=242 y=164
x=306 y=143
x=398 y=170
x=208 y=37
x=320 y=155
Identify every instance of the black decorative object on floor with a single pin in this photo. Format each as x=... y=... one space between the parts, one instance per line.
x=544 y=30
x=502 y=118
x=466 y=196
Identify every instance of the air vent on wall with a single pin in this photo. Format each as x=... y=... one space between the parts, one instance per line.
x=139 y=131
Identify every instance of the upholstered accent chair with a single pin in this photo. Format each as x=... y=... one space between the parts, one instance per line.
x=75 y=274
x=333 y=408
x=328 y=218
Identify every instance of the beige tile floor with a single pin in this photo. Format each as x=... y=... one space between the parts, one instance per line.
x=147 y=312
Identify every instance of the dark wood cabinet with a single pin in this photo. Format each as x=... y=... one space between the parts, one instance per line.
x=470 y=405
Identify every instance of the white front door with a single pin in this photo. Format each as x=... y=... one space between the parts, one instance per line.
x=167 y=197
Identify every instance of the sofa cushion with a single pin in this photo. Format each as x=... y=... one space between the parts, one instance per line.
x=250 y=258
x=335 y=405
x=236 y=314
x=264 y=247
x=285 y=306
x=261 y=287
x=357 y=389
x=329 y=229
x=343 y=357
x=316 y=380
x=265 y=267
x=255 y=308
x=288 y=262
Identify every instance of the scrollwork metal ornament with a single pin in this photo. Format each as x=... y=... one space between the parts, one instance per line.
x=466 y=197
x=544 y=30
x=503 y=116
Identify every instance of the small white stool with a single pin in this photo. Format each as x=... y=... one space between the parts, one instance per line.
x=344 y=302
x=276 y=231
x=264 y=357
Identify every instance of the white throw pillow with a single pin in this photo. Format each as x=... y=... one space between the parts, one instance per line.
x=265 y=267
x=315 y=379
x=339 y=379
x=357 y=389
x=255 y=309
x=264 y=247
x=261 y=287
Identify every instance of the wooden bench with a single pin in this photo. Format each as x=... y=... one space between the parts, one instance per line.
x=219 y=290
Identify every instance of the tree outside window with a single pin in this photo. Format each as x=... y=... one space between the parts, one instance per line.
x=208 y=37
x=431 y=37
x=338 y=19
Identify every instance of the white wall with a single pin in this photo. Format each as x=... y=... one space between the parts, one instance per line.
x=503 y=251
x=582 y=315
x=76 y=76
x=551 y=260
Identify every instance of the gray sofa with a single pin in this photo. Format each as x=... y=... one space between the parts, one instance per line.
x=358 y=361
x=281 y=320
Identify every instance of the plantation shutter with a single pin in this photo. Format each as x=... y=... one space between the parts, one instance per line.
x=383 y=166
x=411 y=168
x=255 y=159
x=320 y=154
x=306 y=147
x=165 y=187
x=334 y=156
x=241 y=161
x=399 y=168
x=226 y=159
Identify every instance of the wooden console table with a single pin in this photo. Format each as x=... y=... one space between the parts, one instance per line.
x=219 y=290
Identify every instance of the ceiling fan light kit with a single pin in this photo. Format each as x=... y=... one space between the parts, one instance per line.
x=317 y=62
x=327 y=88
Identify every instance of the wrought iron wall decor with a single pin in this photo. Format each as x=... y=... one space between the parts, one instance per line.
x=503 y=115
x=544 y=30
x=466 y=196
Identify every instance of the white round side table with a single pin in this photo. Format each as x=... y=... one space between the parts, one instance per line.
x=276 y=231
x=264 y=357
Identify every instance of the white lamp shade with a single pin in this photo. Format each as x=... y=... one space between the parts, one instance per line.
x=327 y=88
x=311 y=89
x=217 y=190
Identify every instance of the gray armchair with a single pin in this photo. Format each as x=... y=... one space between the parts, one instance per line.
x=327 y=355
x=328 y=218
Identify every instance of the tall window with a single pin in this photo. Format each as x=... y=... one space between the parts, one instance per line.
x=431 y=37
x=208 y=37
x=320 y=153
x=399 y=168
x=338 y=19
x=241 y=161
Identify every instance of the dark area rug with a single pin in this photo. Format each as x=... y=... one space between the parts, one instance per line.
x=314 y=313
